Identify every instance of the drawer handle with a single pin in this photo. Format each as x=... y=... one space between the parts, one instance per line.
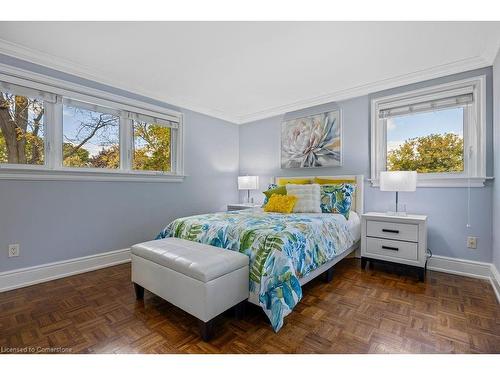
x=390 y=230
x=390 y=248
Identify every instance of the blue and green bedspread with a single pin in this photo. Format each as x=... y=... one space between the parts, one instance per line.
x=282 y=248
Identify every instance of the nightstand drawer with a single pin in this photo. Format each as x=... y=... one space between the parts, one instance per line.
x=392 y=248
x=395 y=231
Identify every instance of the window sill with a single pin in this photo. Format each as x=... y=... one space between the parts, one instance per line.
x=37 y=174
x=446 y=182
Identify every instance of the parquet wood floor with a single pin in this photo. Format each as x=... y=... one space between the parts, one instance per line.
x=370 y=311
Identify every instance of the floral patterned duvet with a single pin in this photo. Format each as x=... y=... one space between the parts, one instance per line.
x=282 y=248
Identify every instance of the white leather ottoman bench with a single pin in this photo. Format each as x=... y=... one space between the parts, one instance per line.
x=200 y=279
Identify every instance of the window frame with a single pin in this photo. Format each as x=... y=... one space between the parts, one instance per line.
x=53 y=168
x=474 y=132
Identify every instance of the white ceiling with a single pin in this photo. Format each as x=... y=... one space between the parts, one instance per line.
x=243 y=71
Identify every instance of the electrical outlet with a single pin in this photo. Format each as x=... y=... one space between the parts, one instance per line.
x=14 y=250
x=472 y=242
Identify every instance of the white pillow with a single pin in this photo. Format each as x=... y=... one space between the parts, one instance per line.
x=308 y=197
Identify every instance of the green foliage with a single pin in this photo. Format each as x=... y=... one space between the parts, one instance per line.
x=21 y=129
x=3 y=149
x=247 y=239
x=78 y=158
x=107 y=158
x=152 y=148
x=433 y=153
x=33 y=149
x=193 y=232
x=179 y=228
x=270 y=243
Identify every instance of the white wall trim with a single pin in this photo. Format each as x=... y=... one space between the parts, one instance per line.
x=446 y=182
x=462 y=267
x=469 y=268
x=460 y=66
x=50 y=271
x=22 y=277
x=495 y=281
x=45 y=174
x=77 y=91
x=69 y=67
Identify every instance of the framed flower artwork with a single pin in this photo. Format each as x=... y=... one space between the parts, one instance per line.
x=312 y=141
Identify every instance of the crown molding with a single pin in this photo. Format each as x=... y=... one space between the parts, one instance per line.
x=373 y=87
x=491 y=51
x=80 y=71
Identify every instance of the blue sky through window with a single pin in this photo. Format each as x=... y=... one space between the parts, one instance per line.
x=415 y=125
x=74 y=132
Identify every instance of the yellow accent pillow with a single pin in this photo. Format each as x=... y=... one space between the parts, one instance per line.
x=281 y=203
x=333 y=181
x=296 y=181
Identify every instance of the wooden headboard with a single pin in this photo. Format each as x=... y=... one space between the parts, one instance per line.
x=357 y=202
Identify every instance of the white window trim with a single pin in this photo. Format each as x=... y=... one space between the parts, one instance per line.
x=474 y=175
x=53 y=169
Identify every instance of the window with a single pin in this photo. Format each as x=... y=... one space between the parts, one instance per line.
x=91 y=136
x=429 y=142
x=152 y=144
x=51 y=132
x=438 y=132
x=22 y=128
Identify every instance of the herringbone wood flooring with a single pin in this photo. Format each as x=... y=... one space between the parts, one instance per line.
x=370 y=311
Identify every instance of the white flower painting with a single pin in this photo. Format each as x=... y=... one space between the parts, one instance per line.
x=312 y=141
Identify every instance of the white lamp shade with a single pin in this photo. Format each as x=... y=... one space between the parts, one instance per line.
x=248 y=182
x=398 y=181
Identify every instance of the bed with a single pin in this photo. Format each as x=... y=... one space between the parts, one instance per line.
x=285 y=250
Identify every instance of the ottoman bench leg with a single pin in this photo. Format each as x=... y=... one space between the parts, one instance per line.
x=139 y=291
x=207 y=329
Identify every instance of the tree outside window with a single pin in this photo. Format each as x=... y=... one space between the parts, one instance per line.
x=21 y=129
x=430 y=142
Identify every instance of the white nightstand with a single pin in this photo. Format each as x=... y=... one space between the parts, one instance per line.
x=396 y=239
x=241 y=206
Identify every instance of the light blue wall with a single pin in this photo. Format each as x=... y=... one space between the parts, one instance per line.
x=62 y=220
x=446 y=207
x=496 y=163
x=55 y=220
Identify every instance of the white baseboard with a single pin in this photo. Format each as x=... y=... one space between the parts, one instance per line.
x=470 y=268
x=495 y=281
x=50 y=271
x=38 y=274
x=461 y=267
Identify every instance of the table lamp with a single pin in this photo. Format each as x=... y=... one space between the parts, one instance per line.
x=248 y=183
x=398 y=181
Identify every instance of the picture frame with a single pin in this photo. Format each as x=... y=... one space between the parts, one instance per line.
x=313 y=141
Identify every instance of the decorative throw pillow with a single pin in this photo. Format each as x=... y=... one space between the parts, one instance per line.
x=308 y=197
x=280 y=190
x=280 y=203
x=337 y=199
x=266 y=198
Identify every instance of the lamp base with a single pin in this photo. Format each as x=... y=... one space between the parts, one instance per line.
x=400 y=208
